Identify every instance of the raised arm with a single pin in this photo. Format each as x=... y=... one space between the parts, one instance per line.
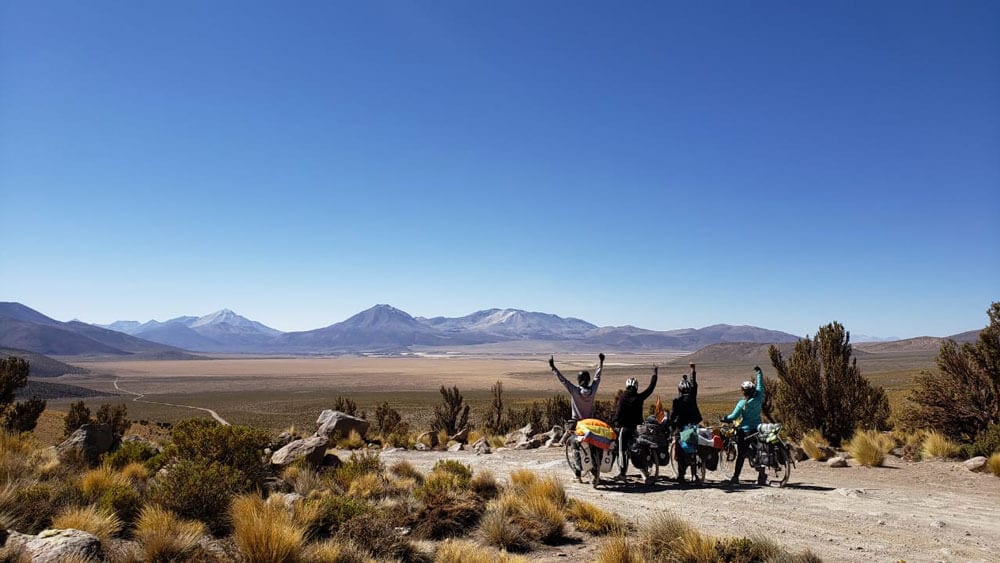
x=559 y=375
x=694 y=381
x=760 y=380
x=652 y=385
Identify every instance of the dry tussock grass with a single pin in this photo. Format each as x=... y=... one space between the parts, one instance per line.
x=867 y=448
x=464 y=551
x=333 y=551
x=166 y=537
x=593 y=520
x=404 y=469
x=543 y=519
x=484 y=484
x=265 y=531
x=814 y=445
x=993 y=464
x=498 y=528
x=353 y=441
x=302 y=479
x=659 y=535
x=370 y=486
x=618 y=549
x=135 y=473
x=938 y=445
x=103 y=524
x=96 y=482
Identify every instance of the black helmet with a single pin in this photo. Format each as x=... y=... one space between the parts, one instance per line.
x=583 y=378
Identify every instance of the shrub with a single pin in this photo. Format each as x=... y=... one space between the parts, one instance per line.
x=868 y=448
x=330 y=511
x=986 y=443
x=122 y=501
x=452 y=414
x=369 y=486
x=361 y=462
x=371 y=532
x=32 y=507
x=165 y=537
x=464 y=551
x=439 y=482
x=447 y=513
x=618 y=549
x=387 y=419
x=593 y=520
x=77 y=416
x=993 y=464
x=937 y=444
x=302 y=479
x=345 y=405
x=914 y=444
x=102 y=523
x=199 y=490
x=494 y=419
x=454 y=467
x=659 y=534
x=821 y=387
x=116 y=417
x=135 y=473
x=748 y=550
x=815 y=445
x=264 y=530
x=238 y=447
x=17 y=416
x=963 y=400
x=130 y=452
x=557 y=410
x=543 y=519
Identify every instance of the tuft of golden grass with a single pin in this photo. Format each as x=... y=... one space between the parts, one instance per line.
x=498 y=528
x=368 y=486
x=94 y=483
x=484 y=484
x=166 y=537
x=135 y=473
x=335 y=551
x=521 y=479
x=353 y=441
x=618 y=549
x=593 y=520
x=867 y=448
x=465 y=551
x=497 y=441
x=659 y=535
x=543 y=519
x=404 y=469
x=265 y=531
x=993 y=464
x=101 y=523
x=938 y=445
x=813 y=443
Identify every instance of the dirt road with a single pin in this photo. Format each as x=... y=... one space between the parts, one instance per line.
x=139 y=399
x=926 y=511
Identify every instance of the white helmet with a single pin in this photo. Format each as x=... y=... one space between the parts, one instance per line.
x=748 y=386
x=632 y=384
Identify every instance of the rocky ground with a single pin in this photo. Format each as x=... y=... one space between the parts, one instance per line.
x=923 y=511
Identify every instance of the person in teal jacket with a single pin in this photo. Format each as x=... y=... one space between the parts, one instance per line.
x=748 y=412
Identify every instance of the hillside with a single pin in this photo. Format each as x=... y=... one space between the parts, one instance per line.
x=41 y=365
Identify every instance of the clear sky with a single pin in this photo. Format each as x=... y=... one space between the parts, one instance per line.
x=660 y=164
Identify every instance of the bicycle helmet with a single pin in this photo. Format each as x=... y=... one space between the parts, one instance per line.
x=583 y=378
x=748 y=387
x=684 y=386
x=632 y=385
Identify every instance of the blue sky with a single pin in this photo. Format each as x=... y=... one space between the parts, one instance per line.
x=661 y=164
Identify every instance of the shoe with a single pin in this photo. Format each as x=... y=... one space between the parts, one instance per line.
x=762 y=480
x=734 y=480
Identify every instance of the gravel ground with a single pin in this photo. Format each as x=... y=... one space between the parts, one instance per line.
x=925 y=511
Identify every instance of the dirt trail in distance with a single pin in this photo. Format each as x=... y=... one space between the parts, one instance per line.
x=924 y=511
x=139 y=399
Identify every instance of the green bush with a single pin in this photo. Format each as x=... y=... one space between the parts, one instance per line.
x=375 y=534
x=360 y=463
x=199 y=490
x=238 y=447
x=986 y=444
x=77 y=416
x=331 y=511
x=123 y=501
x=454 y=467
x=130 y=452
x=116 y=417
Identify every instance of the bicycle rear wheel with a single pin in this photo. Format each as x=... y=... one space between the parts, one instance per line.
x=781 y=469
x=573 y=458
x=727 y=459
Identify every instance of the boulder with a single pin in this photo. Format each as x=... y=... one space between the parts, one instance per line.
x=455 y=446
x=332 y=424
x=528 y=444
x=462 y=436
x=313 y=449
x=420 y=447
x=519 y=435
x=86 y=444
x=975 y=463
x=429 y=439
x=837 y=462
x=798 y=454
x=482 y=446
x=282 y=440
x=52 y=546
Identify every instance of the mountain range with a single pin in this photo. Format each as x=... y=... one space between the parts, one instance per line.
x=382 y=329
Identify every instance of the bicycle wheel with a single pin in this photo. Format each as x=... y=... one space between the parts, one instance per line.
x=698 y=470
x=781 y=469
x=573 y=458
x=727 y=459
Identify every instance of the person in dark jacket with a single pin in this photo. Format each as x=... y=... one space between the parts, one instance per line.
x=684 y=410
x=629 y=414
